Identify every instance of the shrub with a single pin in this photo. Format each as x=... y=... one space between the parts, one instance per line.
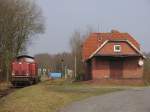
x=147 y=71
x=79 y=77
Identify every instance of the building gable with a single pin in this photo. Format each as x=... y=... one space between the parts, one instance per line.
x=139 y=53
x=125 y=49
x=95 y=41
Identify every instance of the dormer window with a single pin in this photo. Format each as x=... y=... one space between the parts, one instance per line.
x=117 y=48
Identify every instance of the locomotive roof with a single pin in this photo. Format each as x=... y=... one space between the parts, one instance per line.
x=24 y=56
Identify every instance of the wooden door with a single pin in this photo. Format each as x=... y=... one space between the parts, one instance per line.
x=116 y=69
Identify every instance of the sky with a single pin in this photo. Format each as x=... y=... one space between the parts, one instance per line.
x=63 y=17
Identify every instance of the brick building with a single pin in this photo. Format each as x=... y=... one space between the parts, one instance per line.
x=112 y=55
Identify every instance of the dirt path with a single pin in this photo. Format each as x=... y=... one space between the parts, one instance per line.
x=133 y=100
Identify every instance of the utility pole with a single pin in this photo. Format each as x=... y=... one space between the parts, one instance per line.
x=98 y=27
x=62 y=66
x=75 y=66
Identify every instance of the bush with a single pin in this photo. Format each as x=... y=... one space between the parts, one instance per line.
x=147 y=71
x=79 y=77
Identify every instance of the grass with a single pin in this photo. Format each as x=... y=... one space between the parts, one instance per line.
x=49 y=96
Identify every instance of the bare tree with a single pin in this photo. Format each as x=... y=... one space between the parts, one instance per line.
x=43 y=60
x=19 y=21
x=76 y=43
x=76 y=48
x=55 y=62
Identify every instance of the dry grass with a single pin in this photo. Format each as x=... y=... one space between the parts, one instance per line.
x=4 y=86
x=49 y=96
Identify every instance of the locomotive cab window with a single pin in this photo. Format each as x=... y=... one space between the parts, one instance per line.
x=117 y=48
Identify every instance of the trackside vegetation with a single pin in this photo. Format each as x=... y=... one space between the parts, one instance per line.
x=50 y=96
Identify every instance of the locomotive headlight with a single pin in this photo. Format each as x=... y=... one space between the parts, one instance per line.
x=20 y=63
x=13 y=74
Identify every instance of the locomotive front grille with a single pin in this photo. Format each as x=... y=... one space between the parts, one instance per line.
x=19 y=79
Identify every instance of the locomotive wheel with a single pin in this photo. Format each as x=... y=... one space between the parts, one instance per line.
x=14 y=84
x=34 y=81
x=30 y=82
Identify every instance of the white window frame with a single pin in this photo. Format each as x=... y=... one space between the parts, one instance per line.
x=117 y=50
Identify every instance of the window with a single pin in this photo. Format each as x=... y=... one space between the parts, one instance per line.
x=117 y=48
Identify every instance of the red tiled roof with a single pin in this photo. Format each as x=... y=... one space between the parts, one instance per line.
x=96 y=39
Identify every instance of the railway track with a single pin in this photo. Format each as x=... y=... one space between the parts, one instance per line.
x=7 y=92
x=11 y=89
